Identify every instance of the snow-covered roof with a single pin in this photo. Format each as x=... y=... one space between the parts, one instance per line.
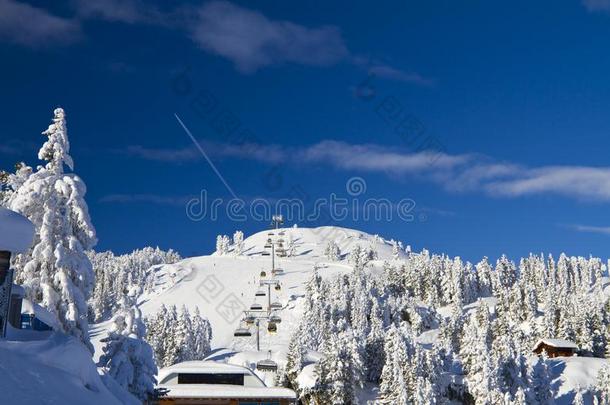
x=559 y=343
x=18 y=290
x=42 y=314
x=204 y=367
x=218 y=390
x=227 y=391
x=16 y=231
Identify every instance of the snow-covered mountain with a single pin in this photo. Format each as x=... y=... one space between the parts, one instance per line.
x=223 y=285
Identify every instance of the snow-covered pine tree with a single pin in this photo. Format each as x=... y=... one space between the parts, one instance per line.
x=541 y=391
x=238 y=243
x=290 y=245
x=10 y=182
x=337 y=380
x=603 y=385
x=202 y=332
x=395 y=250
x=56 y=272
x=295 y=359
x=127 y=357
x=332 y=251
x=219 y=245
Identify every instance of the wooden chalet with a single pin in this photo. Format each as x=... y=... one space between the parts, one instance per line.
x=556 y=347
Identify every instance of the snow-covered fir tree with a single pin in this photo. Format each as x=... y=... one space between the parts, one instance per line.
x=238 y=243
x=114 y=274
x=332 y=251
x=177 y=336
x=487 y=345
x=127 y=357
x=56 y=272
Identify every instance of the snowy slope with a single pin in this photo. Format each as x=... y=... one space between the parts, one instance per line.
x=211 y=282
x=223 y=286
x=57 y=370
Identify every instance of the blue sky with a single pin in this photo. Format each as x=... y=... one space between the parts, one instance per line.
x=512 y=98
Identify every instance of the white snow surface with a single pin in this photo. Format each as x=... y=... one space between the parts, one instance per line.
x=16 y=231
x=55 y=370
x=572 y=372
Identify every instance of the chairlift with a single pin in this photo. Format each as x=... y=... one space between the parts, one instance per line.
x=275 y=319
x=276 y=305
x=272 y=328
x=267 y=364
x=267 y=245
x=263 y=273
x=265 y=253
x=260 y=293
x=256 y=307
x=242 y=332
x=278 y=271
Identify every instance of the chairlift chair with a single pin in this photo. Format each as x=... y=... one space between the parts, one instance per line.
x=267 y=364
x=256 y=307
x=275 y=319
x=276 y=305
x=272 y=328
x=278 y=271
x=260 y=293
x=267 y=245
x=265 y=253
x=281 y=233
x=242 y=332
x=250 y=320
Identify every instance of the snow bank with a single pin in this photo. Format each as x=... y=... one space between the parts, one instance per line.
x=16 y=231
x=58 y=369
x=571 y=372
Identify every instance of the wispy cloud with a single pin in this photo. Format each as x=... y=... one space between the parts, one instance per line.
x=23 y=24
x=179 y=155
x=125 y=11
x=597 y=5
x=145 y=198
x=251 y=40
x=246 y=37
x=592 y=229
x=456 y=173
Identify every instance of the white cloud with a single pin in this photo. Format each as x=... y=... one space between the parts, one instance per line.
x=251 y=40
x=30 y=26
x=145 y=198
x=592 y=229
x=596 y=5
x=457 y=173
x=126 y=11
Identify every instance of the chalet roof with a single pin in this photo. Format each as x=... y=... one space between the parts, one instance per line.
x=557 y=343
x=41 y=313
x=226 y=391
x=16 y=231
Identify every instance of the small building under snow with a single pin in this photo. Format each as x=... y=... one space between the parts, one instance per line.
x=209 y=382
x=556 y=347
